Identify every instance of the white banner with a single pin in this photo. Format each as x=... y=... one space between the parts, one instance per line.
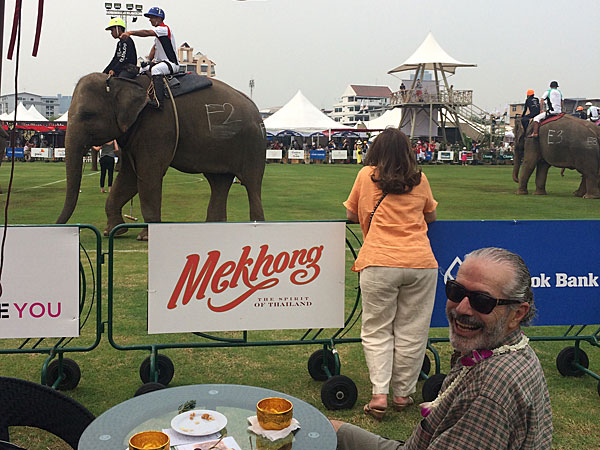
x=339 y=154
x=40 y=283
x=37 y=152
x=445 y=155
x=245 y=276
x=59 y=152
x=274 y=154
x=295 y=154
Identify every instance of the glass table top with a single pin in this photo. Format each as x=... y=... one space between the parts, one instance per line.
x=154 y=411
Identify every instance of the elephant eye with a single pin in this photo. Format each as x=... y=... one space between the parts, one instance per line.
x=86 y=115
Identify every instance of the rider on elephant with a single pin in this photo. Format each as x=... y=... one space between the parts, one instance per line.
x=163 y=53
x=532 y=104
x=593 y=112
x=124 y=63
x=553 y=101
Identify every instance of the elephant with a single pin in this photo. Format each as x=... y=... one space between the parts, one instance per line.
x=216 y=131
x=567 y=142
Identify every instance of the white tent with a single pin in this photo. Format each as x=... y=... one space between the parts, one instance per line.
x=391 y=118
x=300 y=115
x=34 y=115
x=24 y=114
x=63 y=118
x=431 y=55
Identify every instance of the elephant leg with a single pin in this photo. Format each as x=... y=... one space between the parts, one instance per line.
x=150 y=189
x=253 y=189
x=219 y=190
x=124 y=189
x=591 y=185
x=541 y=174
x=526 y=171
x=580 y=192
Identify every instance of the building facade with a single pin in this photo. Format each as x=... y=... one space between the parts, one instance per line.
x=48 y=106
x=360 y=103
x=198 y=63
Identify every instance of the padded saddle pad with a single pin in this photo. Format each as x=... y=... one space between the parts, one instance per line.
x=551 y=118
x=187 y=83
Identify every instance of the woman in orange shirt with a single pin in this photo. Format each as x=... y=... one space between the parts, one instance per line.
x=392 y=201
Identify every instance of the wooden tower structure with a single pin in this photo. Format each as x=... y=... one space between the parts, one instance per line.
x=437 y=103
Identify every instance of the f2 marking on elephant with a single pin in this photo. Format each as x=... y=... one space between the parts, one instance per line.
x=219 y=119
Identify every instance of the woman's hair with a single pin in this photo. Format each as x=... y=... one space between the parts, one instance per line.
x=396 y=169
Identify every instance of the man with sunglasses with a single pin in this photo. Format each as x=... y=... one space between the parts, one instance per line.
x=495 y=396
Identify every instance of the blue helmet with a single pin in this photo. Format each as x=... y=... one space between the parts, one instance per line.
x=156 y=12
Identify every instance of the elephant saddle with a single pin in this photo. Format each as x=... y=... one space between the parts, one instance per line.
x=186 y=83
x=552 y=118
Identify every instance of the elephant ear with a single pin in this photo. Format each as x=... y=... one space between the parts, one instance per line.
x=129 y=100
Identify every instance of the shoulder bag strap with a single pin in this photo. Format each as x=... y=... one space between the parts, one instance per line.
x=375 y=209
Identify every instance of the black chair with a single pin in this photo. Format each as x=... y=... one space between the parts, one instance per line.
x=23 y=403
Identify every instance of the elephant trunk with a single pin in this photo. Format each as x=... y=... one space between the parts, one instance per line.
x=74 y=153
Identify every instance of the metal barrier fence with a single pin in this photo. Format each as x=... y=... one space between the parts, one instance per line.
x=64 y=373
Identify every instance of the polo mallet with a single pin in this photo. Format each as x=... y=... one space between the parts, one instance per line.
x=130 y=215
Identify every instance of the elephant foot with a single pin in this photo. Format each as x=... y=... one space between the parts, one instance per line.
x=591 y=196
x=143 y=236
x=521 y=192
x=540 y=193
x=119 y=232
x=578 y=193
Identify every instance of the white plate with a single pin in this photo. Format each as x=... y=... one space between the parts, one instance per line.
x=194 y=425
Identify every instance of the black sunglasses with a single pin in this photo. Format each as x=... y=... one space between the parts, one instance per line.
x=480 y=301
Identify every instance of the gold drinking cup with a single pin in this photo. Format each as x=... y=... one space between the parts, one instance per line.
x=149 y=440
x=274 y=413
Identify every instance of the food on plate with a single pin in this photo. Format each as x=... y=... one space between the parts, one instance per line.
x=207 y=416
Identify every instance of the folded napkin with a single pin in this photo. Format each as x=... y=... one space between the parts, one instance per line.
x=180 y=439
x=271 y=435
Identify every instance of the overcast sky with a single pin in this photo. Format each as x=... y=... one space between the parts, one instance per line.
x=321 y=46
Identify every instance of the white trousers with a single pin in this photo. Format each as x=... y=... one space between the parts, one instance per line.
x=397 y=304
x=162 y=68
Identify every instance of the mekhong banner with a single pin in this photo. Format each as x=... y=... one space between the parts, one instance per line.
x=245 y=276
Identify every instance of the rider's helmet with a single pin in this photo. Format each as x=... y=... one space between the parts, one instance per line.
x=156 y=12
x=530 y=92
x=588 y=104
x=580 y=108
x=115 y=22
x=554 y=84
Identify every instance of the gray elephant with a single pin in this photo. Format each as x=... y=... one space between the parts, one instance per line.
x=567 y=142
x=221 y=135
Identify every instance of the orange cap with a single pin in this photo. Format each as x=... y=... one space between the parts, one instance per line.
x=580 y=108
x=530 y=92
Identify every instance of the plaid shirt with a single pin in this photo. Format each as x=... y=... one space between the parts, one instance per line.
x=502 y=403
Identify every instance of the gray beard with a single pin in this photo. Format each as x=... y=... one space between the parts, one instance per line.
x=489 y=338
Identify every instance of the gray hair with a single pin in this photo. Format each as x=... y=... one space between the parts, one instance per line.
x=520 y=287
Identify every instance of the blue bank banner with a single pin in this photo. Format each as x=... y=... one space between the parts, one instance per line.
x=317 y=154
x=563 y=257
x=19 y=152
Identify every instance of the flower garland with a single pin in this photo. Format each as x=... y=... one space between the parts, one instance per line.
x=468 y=362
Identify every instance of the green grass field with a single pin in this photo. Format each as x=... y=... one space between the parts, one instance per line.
x=290 y=193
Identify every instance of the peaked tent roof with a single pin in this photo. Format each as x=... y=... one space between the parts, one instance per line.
x=35 y=115
x=23 y=115
x=428 y=54
x=299 y=114
x=391 y=118
x=63 y=118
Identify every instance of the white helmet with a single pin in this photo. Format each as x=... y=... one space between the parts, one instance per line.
x=588 y=104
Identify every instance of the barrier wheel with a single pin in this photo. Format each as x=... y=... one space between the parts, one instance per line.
x=314 y=365
x=565 y=359
x=425 y=368
x=339 y=392
x=148 y=387
x=71 y=374
x=432 y=386
x=164 y=366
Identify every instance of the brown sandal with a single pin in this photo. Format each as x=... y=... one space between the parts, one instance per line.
x=401 y=406
x=375 y=413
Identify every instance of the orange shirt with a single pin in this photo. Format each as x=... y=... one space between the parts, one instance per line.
x=398 y=233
